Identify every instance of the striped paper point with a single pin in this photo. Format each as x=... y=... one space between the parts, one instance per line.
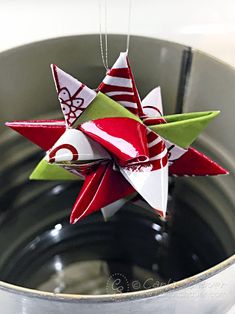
x=119 y=85
x=158 y=154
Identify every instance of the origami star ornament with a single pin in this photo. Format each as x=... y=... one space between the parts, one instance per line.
x=116 y=143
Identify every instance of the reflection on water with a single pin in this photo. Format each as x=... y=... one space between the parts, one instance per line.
x=94 y=277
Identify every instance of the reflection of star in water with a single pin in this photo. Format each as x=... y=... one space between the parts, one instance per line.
x=105 y=184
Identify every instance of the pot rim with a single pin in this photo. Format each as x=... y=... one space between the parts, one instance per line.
x=184 y=283
x=50 y=39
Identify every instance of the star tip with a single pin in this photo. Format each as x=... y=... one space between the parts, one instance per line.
x=73 y=220
x=157 y=88
x=54 y=68
x=216 y=112
x=10 y=124
x=161 y=213
x=222 y=171
x=106 y=218
x=124 y=55
x=74 y=217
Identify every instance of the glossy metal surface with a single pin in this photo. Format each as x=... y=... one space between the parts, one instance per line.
x=30 y=223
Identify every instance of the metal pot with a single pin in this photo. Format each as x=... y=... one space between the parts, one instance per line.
x=134 y=263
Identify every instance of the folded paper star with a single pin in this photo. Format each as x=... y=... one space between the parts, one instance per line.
x=117 y=143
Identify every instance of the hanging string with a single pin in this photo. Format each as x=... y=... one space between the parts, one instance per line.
x=104 y=55
x=129 y=26
x=106 y=36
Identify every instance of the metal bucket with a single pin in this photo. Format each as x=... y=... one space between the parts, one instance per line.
x=135 y=263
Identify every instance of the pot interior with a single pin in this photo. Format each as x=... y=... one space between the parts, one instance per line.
x=134 y=250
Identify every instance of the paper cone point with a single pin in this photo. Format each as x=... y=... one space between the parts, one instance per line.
x=73 y=95
x=42 y=133
x=99 y=194
x=119 y=84
x=183 y=129
x=194 y=163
